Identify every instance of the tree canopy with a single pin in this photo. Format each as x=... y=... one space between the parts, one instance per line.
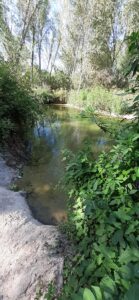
x=85 y=39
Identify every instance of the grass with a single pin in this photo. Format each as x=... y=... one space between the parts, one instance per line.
x=100 y=99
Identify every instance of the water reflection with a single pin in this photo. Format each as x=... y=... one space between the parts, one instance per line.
x=62 y=128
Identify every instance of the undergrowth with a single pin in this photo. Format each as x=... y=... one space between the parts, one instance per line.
x=99 y=99
x=18 y=106
x=58 y=96
x=103 y=213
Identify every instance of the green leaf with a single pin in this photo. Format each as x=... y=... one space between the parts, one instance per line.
x=97 y=292
x=87 y=295
x=129 y=255
x=137 y=172
x=117 y=237
x=132 y=227
x=132 y=192
x=129 y=186
x=136 y=137
x=125 y=283
x=122 y=214
x=91 y=267
x=108 y=285
x=95 y=185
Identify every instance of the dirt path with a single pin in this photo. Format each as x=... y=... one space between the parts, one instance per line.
x=29 y=253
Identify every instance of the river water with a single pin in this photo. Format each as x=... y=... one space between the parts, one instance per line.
x=62 y=128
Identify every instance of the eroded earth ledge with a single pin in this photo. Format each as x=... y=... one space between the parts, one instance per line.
x=29 y=256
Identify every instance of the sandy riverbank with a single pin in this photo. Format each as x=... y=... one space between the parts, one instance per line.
x=29 y=253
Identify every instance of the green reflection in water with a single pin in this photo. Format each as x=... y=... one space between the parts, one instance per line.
x=62 y=128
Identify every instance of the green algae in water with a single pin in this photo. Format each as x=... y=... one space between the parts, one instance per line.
x=61 y=129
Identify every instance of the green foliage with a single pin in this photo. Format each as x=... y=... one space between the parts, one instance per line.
x=103 y=219
x=58 y=80
x=133 y=71
x=46 y=96
x=61 y=95
x=103 y=213
x=19 y=107
x=98 y=98
x=50 y=295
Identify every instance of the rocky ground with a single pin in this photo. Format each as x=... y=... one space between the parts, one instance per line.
x=29 y=252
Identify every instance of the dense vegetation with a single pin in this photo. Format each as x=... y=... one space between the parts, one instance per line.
x=103 y=213
x=62 y=48
x=93 y=40
x=18 y=106
x=83 y=40
x=99 y=99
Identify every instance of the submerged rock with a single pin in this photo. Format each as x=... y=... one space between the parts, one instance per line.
x=29 y=256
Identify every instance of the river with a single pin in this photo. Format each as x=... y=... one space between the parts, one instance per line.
x=62 y=128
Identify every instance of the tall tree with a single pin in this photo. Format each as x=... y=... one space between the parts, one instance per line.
x=90 y=39
x=38 y=29
x=43 y=27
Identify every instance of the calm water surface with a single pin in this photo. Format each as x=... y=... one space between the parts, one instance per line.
x=62 y=128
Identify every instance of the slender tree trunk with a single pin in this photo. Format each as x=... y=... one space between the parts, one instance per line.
x=82 y=49
x=27 y=21
x=32 y=54
x=81 y=71
x=40 y=39
x=50 y=52
x=40 y=61
x=40 y=57
x=55 y=57
x=40 y=51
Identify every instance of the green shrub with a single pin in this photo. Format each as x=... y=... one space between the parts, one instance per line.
x=60 y=80
x=55 y=81
x=61 y=95
x=99 y=99
x=18 y=105
x=46 y=96
x=103 y=212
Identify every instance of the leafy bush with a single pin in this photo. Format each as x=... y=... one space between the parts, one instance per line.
x=55 y=81
x=103 y=220
x=60 y=80
x=19 y=107
x=98 y=98
x=61 y=95
x=46 y=96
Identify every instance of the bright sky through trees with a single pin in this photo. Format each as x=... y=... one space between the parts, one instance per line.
x=84 y=38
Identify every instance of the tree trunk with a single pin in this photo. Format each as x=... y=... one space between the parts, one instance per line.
x=55 y=57
x=32 y=54
x=27 y=22
x=40 y=57
x=50 y=52
x=82 y=49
